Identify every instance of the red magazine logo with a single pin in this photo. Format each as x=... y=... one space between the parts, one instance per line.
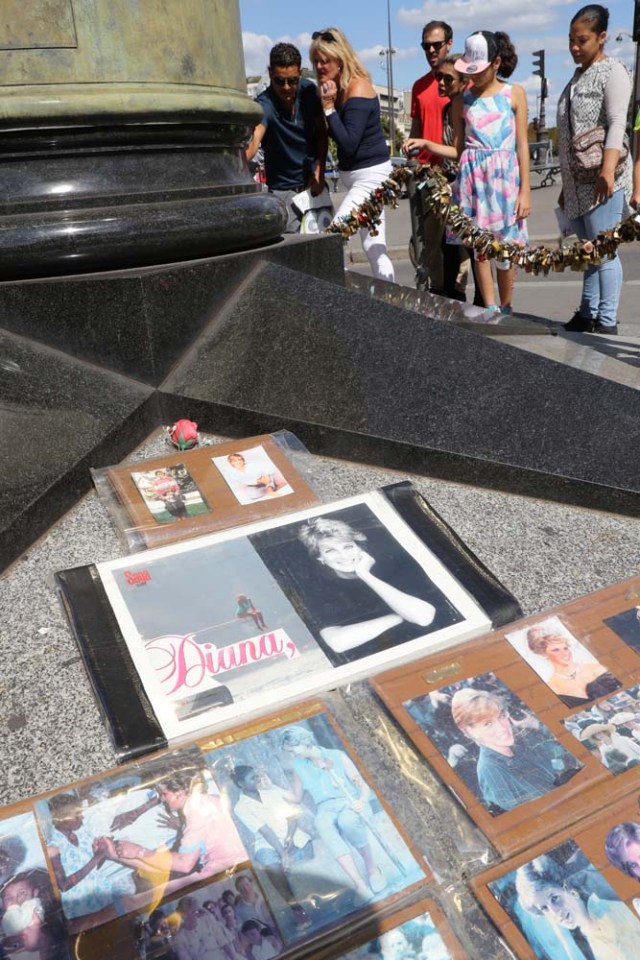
x=137 y=579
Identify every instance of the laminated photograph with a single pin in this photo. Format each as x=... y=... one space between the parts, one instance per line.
x=252 y=475
x=610 y=730
x=170 y=493
x=227 y=919
x=419 y=932
x=233 y=624
x=497 y=746
x=626 y=625
x=564 y=907
x=565 y=665
x=185 y=493
x=321 y=841
x=30 y=915
x=574 y=896
x=118 y=843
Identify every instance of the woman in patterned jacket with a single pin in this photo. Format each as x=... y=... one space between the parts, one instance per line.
x=596 y=96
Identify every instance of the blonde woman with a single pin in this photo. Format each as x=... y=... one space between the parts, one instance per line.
x=352 y=109
x=575 y=683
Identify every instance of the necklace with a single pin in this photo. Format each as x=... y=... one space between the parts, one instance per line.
x=568 y=676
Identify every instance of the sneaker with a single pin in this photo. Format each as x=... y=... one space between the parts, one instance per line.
x=506 y=311
x=494 y=308
x=610 y=328
x=580 y=324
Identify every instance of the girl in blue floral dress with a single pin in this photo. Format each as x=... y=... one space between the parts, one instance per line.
x=490 y=138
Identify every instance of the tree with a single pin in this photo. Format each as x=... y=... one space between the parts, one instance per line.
x=398 y=135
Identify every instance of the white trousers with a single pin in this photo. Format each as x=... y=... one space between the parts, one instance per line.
x=359 y=184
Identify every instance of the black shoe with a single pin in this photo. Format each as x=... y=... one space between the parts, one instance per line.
x=580 y=324
x=611 y=329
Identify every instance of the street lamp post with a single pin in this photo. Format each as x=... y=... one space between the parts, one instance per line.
x=392 y=119
x=390 y=97
x=389 y=52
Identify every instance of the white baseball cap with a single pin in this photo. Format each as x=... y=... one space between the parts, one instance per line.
x=480 y=49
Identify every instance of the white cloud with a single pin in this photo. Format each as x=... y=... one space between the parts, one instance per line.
x=491 y=14
x=258 y=45
x=256 y=52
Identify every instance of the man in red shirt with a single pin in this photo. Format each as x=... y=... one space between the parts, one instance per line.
x=427 y=109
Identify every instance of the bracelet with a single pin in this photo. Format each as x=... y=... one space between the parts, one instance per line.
x=328 y=112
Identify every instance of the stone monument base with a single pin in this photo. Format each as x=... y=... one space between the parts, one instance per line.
x=256 y=341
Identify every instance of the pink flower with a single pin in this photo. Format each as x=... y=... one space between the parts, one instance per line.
x=184 y=434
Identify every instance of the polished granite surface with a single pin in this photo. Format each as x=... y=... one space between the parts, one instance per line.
x=58 y=417
x=317 y=355
x=250 y=342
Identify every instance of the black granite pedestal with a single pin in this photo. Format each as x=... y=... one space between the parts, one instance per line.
x=58 y=417
x=109 y=195
x=272 y=338
x=360 y=378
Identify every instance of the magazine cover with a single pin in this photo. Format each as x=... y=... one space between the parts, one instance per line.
x=575 y=896
x=197 y=634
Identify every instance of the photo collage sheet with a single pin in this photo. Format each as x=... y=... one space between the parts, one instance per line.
x=252 y=844
x=281 y=610
x=534 y=729
x=193 y=492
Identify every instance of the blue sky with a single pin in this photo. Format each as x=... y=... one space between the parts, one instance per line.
x=532 y=25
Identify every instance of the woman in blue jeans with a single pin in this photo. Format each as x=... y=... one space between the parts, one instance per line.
x=340 y=796
x=597 y=95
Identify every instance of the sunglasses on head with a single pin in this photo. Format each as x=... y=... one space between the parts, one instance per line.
x=324 y=35
x=286 y=81
x=436 y=45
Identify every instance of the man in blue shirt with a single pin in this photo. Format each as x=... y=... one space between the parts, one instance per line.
x=292 y=133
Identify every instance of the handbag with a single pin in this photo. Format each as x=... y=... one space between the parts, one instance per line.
x=587 y=154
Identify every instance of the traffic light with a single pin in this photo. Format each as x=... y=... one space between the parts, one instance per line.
x=538 y=63
x=544 y=93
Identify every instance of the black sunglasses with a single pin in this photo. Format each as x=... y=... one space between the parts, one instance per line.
x=285 y=81
x=323 y=35
x=445 y=78
x=437 y=45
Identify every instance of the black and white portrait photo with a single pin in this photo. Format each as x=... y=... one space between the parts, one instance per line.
x=353 y=583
